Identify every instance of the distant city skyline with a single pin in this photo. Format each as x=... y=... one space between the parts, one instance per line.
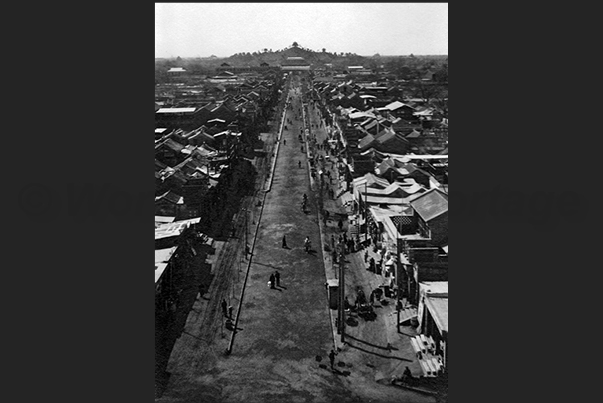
x=223 y=29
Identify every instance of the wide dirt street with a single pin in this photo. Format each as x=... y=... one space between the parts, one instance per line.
x=280 y=332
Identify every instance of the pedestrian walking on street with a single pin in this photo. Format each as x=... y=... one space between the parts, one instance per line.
x=224 y=305
x=230 y=312
x=366 y=256
x=407 y=374
x=284 y=241
x=272 y=278
x=332 y=358
x=299 y=164
x=277 y=277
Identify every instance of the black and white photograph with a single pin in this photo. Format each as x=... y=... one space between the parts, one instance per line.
x=301 y=202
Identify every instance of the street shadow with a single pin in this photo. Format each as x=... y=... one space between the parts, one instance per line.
x=342 y=373
x=350 y=321
x=379 y=355
x=282 y=286
x=268 y=265
x=277 y=289
x=193 y=336
x=232 y=328
x=334 y=370
x=369 y=344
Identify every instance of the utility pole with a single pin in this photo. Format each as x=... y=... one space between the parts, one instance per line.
x=397 y=276
x=366 y=212
x=246 y=241
x=341 y=327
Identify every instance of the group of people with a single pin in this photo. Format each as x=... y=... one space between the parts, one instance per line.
x=307 y=244
x=275 y=280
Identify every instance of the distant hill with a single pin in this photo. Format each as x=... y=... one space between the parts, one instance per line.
x=276 y=57
x=339 y=60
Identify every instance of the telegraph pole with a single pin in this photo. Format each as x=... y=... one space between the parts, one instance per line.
x=397 y=277
x=341 y=294
x=340 y=299
x=246 y=230
x=366 y=211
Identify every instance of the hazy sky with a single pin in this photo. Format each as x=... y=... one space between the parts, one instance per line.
x=222 y=29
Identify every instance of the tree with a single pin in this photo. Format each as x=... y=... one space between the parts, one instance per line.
x=324 y=50
x=295 y=45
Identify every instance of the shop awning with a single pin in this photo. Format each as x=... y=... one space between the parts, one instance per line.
x=438 y=308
